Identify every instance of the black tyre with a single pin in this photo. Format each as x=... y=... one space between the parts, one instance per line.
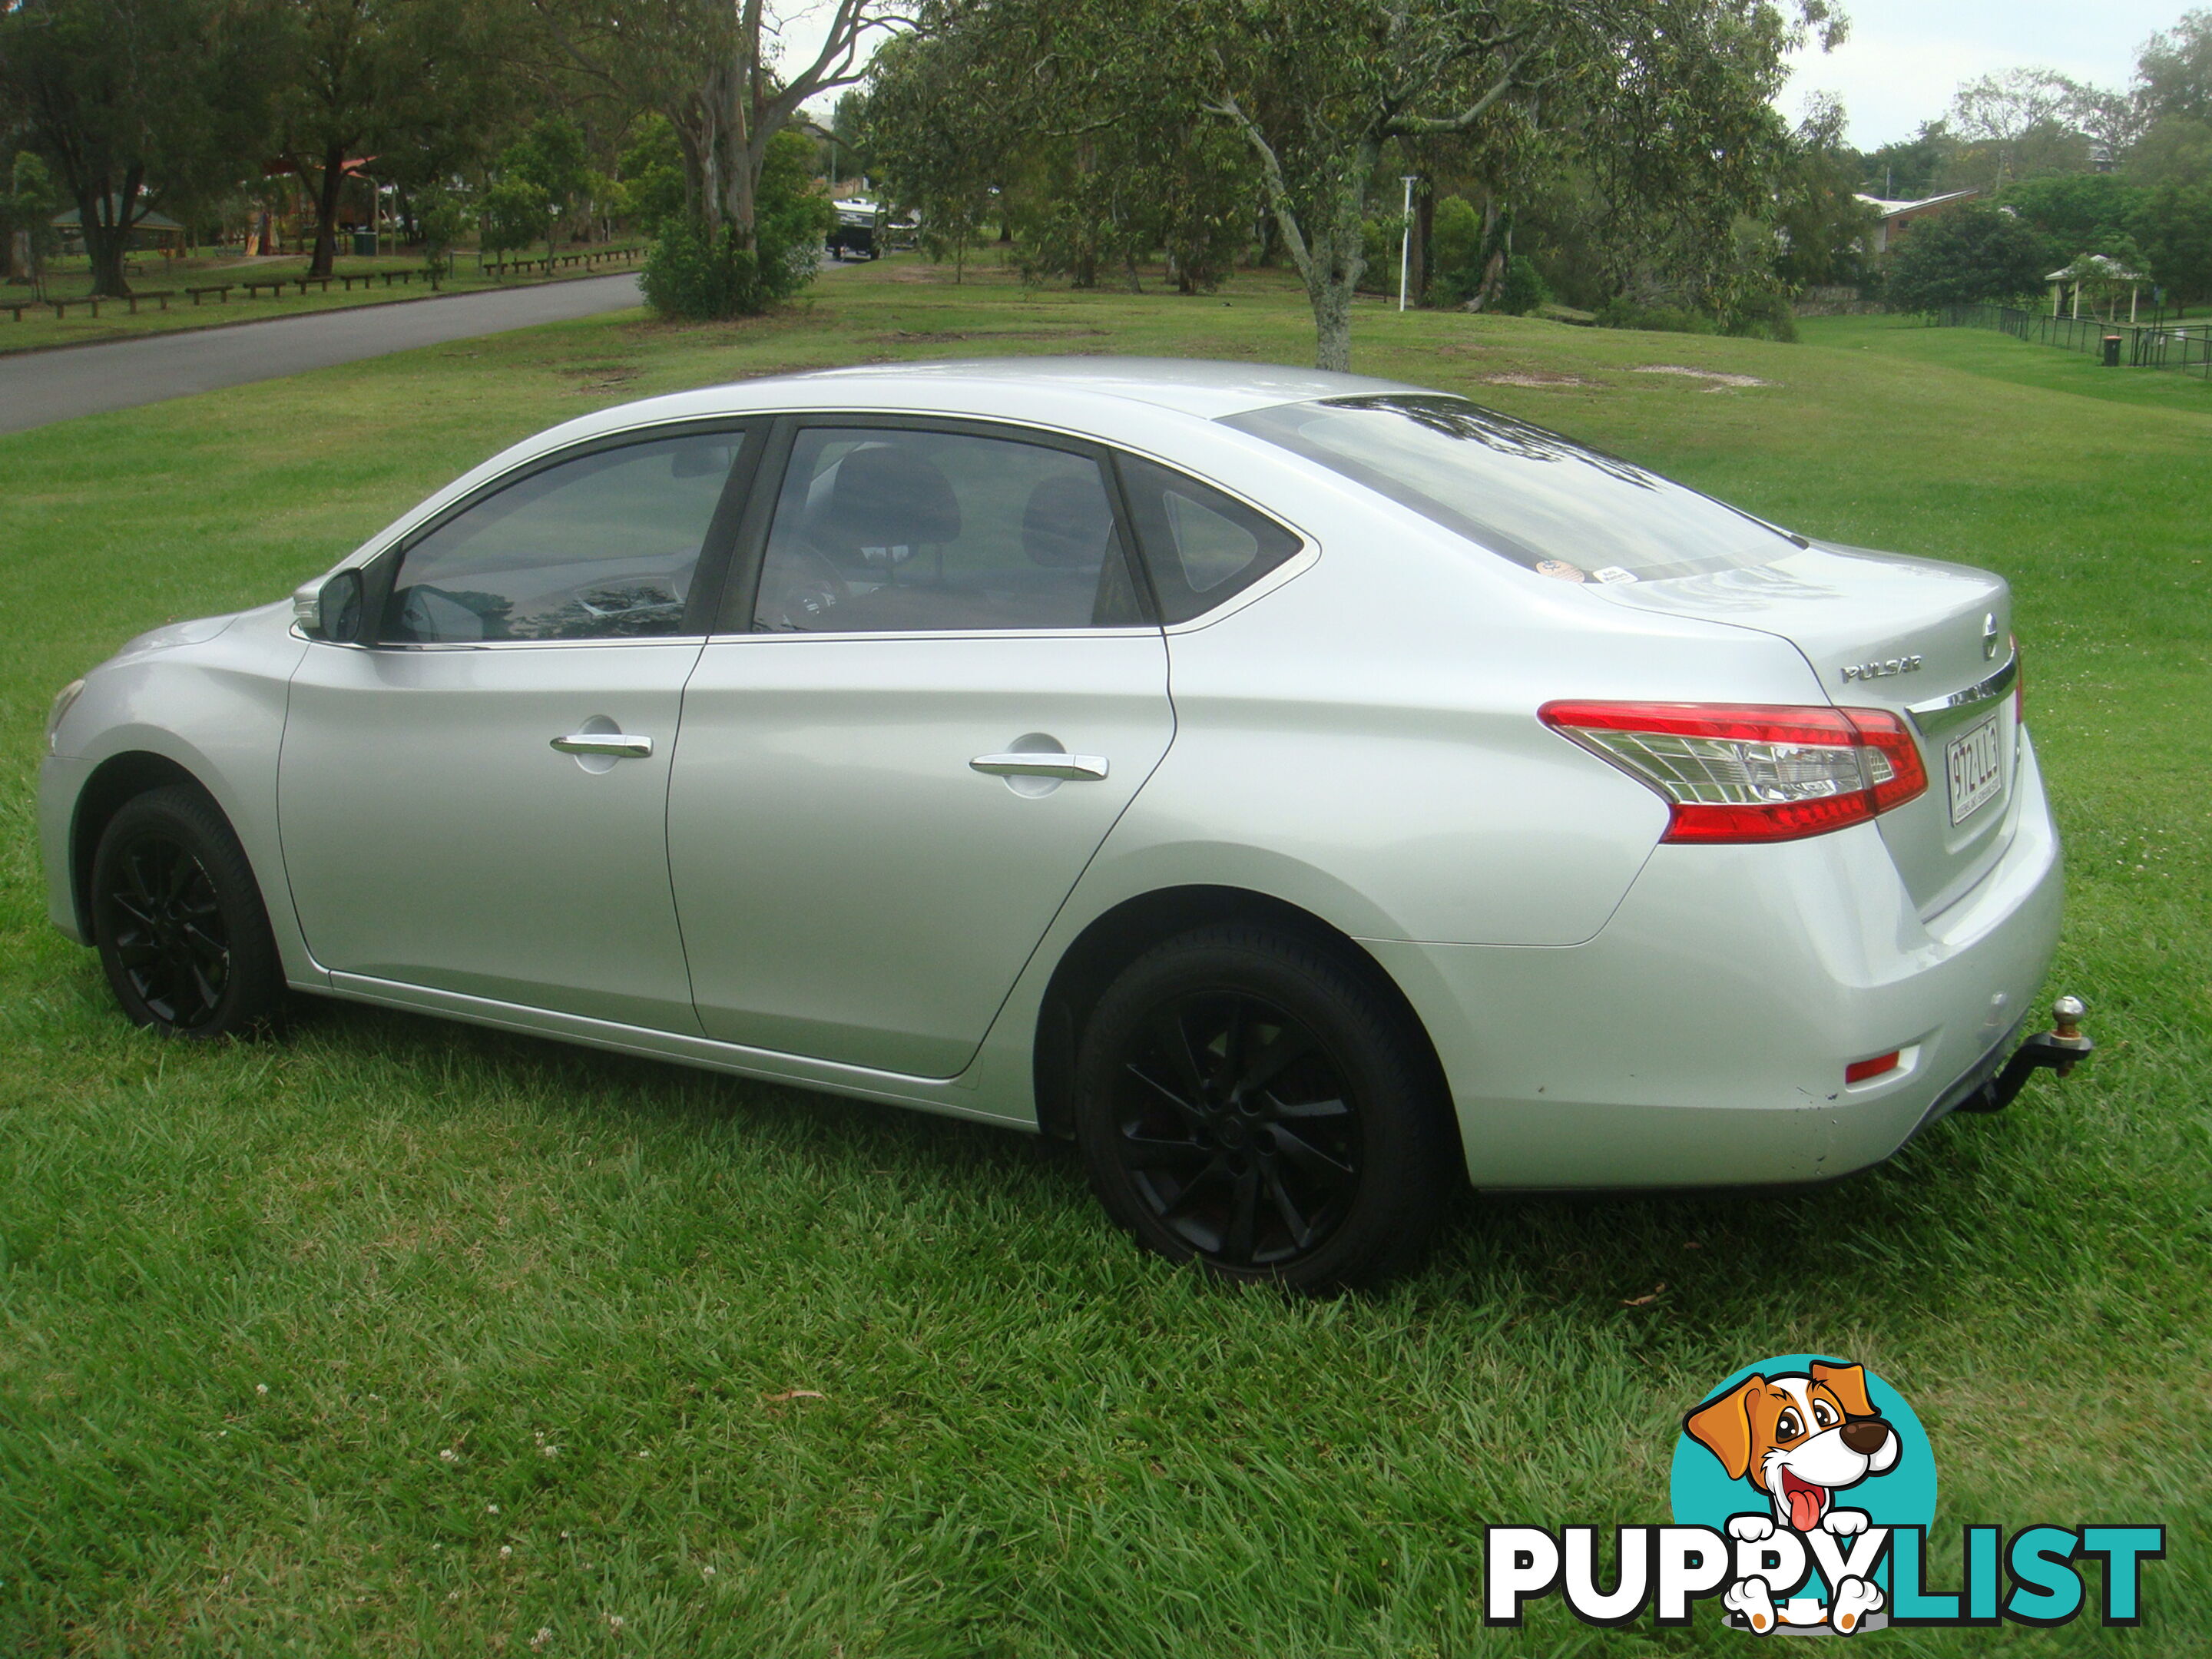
x=1247 y=1099
x=179 y=920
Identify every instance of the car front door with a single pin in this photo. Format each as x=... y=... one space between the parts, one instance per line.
x=939 y=689
x=474 y=802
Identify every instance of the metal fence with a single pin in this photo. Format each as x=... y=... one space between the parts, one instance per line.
x=2186 y=347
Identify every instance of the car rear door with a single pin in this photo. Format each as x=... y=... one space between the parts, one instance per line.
x=937 y=690
x=475 y=801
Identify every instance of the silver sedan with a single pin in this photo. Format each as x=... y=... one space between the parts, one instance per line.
x=1295 y=789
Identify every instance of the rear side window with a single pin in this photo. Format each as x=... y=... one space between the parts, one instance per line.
x=902 y=530
x=1531 y=495
x=1202 y=547
x=601 y=546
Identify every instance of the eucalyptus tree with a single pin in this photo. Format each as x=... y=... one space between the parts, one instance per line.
x=1320 y=89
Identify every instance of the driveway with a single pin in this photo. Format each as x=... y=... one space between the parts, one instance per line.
x=40 y=387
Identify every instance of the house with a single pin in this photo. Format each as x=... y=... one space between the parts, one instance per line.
x=1899 y=218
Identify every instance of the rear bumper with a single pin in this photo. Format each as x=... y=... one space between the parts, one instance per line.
x=1701 y=1039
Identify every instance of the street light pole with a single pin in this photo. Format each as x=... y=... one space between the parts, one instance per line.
x=1406 y=241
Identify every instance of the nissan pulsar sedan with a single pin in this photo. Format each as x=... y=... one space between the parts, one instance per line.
x=1303 y=792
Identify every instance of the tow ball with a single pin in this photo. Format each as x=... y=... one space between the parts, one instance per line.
x=2062 y=1049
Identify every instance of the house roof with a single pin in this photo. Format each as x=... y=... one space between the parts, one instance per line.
x=2088 y=267
x=1890 y=209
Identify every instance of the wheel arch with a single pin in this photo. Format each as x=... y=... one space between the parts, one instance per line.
x=1118 y=936
x=117 y=780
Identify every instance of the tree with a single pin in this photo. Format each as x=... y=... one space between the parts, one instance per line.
x=1906 y=171
x=1973 y=253
x=513 y=213
x=442 y=216
x=2077 y=212
x=650 y=193
x=549 y=160
x=388 y=78
x=939 y=126
x=1823 y=227
x=2173 y=226
x=2026 y=120
x=709 y=66
x=2177 y=148
x=126 y=99
x=2173 y=76
x=27 y=210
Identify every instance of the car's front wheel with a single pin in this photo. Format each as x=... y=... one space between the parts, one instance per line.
x=1247 y=1099
x=179 y=920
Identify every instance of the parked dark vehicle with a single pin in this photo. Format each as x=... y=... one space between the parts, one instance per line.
x=855 y=235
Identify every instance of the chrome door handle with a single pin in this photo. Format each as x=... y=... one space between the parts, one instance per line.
x=619 y=744
x=1073 y=767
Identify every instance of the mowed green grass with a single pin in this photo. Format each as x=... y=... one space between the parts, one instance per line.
x=760 y=1373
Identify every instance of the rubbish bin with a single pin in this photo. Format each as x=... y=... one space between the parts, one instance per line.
x=2111 y=351
x=364 y=244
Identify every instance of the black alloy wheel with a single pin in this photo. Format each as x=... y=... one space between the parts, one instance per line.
x=179 y=920
x=169 y=934
x=1249 y=1099
x=1237 y=1129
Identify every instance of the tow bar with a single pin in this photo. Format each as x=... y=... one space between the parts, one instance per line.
x=2062 y=1049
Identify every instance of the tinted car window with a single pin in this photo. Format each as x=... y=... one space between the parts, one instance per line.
x=1200 y=545
x=603 y=546
x=1539 y=499
x=895 y=530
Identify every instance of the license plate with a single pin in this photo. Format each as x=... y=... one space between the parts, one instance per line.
x=1977 y=772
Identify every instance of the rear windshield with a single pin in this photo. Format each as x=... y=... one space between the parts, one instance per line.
x=1540 y=499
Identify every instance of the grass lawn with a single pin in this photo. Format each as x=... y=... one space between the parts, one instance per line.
x=37 y=330
x=399 y=1336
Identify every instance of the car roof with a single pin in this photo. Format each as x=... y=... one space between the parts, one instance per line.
x=981 y=387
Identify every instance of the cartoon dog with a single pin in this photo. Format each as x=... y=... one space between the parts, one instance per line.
x=1800 y=1438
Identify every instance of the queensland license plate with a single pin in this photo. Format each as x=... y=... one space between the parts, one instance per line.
x=1977 y=772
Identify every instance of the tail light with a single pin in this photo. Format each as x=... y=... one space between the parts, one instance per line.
x=1752 y=772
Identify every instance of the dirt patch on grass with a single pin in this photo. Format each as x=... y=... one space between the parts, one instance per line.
x=930 y=337
x=1548 y=382
x=1716 y=381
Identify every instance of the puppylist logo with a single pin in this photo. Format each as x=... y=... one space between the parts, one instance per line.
x=1803 y=1488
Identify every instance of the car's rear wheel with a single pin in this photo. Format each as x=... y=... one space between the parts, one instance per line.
x=1246 y=1099
x=179 y=920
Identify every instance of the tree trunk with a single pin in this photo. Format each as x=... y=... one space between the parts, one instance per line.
x=1424 y=225
x=326 y=209
x=1332 y=310
x=106 y=242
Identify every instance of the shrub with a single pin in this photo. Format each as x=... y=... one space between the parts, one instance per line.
x=1658 y=319
x=1523 y=290
x=703 y=274
x=1454 y=252
x=1970 y=254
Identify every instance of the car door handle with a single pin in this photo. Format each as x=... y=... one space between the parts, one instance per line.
x=1075 y=767
x=621 y=745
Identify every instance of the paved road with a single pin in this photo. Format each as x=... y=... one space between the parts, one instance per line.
x=39 y=386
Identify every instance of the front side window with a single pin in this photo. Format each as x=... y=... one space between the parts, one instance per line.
x=899 y=530
x=603 y=546
x=1531 y=495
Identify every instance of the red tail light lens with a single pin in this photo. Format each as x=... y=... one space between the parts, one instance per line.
x=1881 y=1065
x=1752 y=772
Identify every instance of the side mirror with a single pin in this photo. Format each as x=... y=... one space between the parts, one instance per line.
x=331 y=609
